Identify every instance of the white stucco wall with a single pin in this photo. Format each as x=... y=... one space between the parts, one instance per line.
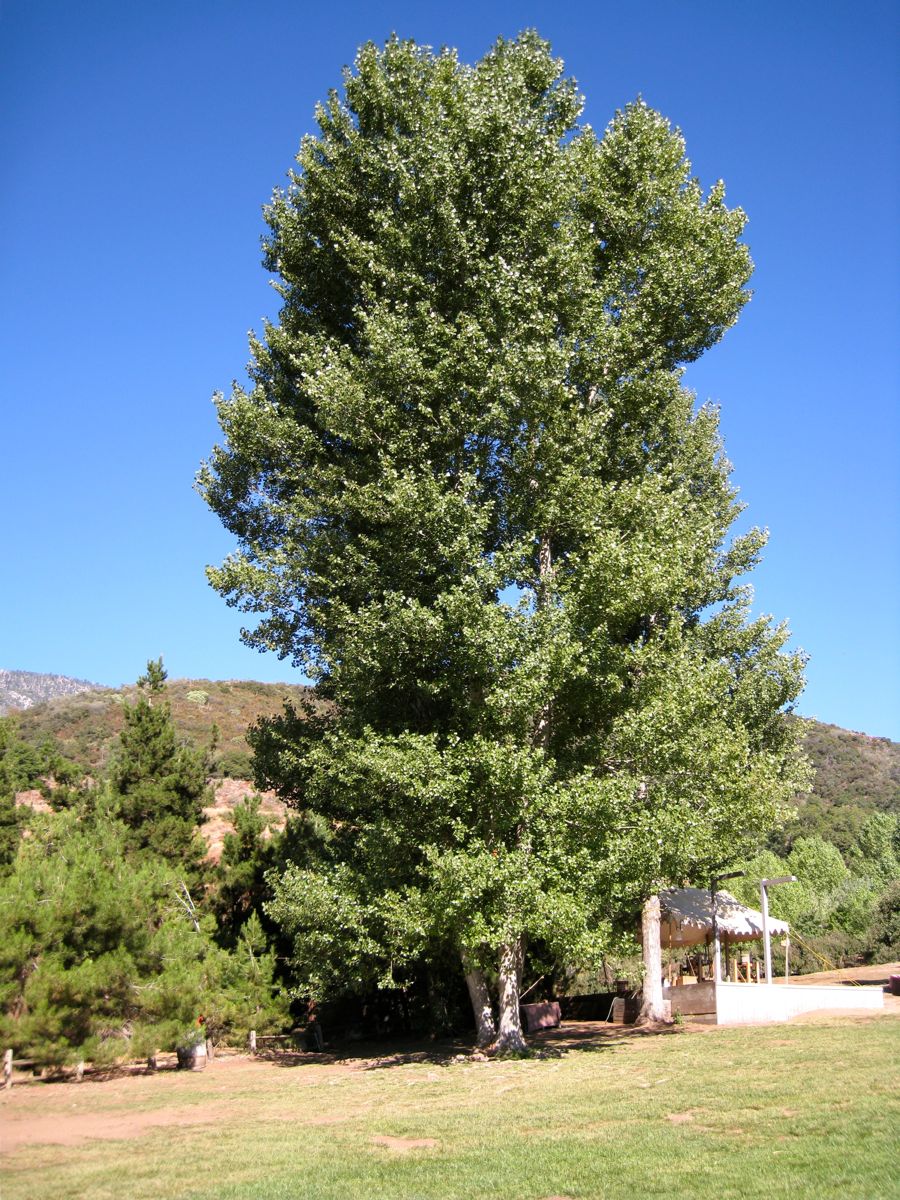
x=747 y=1004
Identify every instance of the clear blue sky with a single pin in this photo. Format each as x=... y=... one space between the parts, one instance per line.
x=138 y=143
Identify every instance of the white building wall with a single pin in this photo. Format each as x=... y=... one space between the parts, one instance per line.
x=748 y=1004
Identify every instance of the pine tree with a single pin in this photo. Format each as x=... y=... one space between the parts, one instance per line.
x=103 y=959
x=22 y=767
x=159 y=783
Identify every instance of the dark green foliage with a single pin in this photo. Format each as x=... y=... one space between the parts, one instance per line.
x=21 y=765
x=104 y=956
x=10 y=827
x=840 y=908
x=157 y=782
x=233 y=764
x=98 y=947
x=884 y=933
x=107 y=949
x=247 y=994
x=24 y=767
x=240 y=875
x=239 y=884
x=241 y=889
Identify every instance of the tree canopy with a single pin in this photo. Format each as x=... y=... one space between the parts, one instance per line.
x=474 y=502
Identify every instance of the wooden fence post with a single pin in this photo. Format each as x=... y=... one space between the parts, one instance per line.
x=252 y=1041
x=7 y=1068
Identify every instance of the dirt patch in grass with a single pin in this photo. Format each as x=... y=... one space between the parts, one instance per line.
x=65 y=1130
x=400 y=1145
x=681 y=1118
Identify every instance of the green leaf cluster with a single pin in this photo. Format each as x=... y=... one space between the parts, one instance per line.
x=842 y=907
x=102 y=957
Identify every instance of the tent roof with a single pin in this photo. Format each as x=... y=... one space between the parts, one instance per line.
x=687 y=918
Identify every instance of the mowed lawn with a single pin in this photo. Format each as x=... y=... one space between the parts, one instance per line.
x=799 y=1110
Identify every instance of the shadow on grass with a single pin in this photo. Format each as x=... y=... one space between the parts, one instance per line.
x=54 y=1075
x=583 y=1037
x=572 y=1037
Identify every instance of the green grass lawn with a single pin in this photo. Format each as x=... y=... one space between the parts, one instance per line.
x=805 y=1110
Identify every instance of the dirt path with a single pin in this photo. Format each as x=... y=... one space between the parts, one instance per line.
x=36 y=1112
x=68 y=1130
x=849 y=975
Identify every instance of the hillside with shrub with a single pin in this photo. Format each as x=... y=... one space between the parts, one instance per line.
x=855 y=774
x=211 y=714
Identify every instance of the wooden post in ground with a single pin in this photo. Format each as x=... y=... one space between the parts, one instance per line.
x=7 y=1068
x=252 y=1041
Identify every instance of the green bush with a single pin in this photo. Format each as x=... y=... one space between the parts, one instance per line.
x=105 y=957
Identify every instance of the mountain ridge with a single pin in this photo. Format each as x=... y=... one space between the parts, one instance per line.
x=22 y=689
x=84 y=725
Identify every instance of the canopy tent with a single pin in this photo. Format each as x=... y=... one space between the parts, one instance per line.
x=687 y=918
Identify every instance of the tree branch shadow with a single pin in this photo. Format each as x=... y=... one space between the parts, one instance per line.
x=582 y=1037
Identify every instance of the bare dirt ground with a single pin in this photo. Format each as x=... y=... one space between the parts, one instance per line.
x=121 y=1107
x=880 y=973
x=126 y=1105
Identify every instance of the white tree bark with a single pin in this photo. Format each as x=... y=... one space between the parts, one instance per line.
x=654 y=1007
x=481 y=1002
x=509 y=1036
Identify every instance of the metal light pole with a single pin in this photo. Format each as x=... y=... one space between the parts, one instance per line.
x=764 y=885
x=713 y=889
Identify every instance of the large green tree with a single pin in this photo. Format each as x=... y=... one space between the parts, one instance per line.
x=474 y=502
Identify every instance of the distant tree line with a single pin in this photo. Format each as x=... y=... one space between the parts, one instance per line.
x=843 y=907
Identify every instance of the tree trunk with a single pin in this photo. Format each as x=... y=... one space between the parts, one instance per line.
x=510 y=1034
x=654 y=1007
x=481 y=1002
